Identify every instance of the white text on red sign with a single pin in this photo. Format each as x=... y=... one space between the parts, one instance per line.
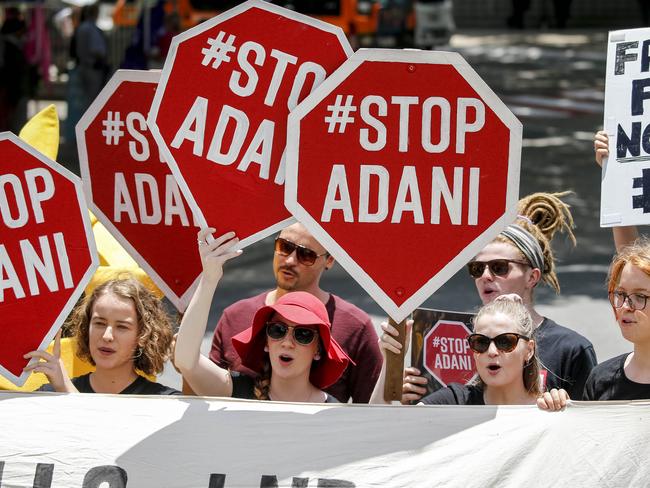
x=373 y=137
x=451 y=353
x=21 y=204
x=146 y=185
x=244 y=82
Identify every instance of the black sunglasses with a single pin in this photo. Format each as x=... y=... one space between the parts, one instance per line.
x=305 y=255
x=504 y=342
x=498 y=267
x=302 y=335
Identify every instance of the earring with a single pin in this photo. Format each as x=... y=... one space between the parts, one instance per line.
x=316 y=357
x=266 y=348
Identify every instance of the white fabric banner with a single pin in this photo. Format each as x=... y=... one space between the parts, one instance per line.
x=113 y=441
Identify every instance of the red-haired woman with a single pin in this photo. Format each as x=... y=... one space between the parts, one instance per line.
x=627 y=377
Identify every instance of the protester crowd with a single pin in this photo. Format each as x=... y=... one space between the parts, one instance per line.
x=300 y=343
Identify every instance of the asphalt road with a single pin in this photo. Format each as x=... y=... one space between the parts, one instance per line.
x=554 y=82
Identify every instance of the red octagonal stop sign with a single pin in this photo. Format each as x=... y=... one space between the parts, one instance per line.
x=446 y=353
x=47 y=251
x=403 y=164
x=132 y=190
x=221 y=109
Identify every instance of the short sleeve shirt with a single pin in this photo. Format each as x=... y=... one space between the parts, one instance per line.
x=607 y=381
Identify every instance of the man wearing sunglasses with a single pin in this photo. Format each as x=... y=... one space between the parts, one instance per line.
x=298 y=264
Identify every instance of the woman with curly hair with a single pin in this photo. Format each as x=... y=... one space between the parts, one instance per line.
x=288 y=345
x=122 y=329
x=516 y=262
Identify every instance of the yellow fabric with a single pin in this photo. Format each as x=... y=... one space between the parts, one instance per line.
x=111 y=253
x=115 y=262
x=42 y=132
x=105 y=273
x=73 y=365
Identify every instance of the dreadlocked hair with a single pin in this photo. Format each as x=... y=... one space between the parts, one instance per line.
x=544 y=214
x=263 y=381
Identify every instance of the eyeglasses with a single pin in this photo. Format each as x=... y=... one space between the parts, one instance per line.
x=302 y=335
x=498 y=267
x=305 y=255
x=504 y=342
x=636 y=301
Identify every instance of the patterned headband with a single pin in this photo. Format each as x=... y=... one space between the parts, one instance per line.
x=527 y=244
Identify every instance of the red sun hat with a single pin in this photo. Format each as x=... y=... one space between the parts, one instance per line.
x=301 y=308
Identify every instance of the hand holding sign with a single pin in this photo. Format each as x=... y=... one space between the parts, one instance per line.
x=214 y=254
x=47 y=252
x=51 y=366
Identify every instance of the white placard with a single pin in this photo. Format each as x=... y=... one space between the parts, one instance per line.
x=625 y=195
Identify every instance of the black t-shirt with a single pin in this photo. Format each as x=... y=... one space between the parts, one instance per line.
x=243 y=386
x=567 y=357
x=140 y=386
x=607 y=381
x=456 y=394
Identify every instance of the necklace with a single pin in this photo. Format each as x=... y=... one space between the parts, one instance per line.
x=309 y=397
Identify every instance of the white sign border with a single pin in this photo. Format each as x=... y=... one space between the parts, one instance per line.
x=399 y=313
x=162 y=85
x=92 y=249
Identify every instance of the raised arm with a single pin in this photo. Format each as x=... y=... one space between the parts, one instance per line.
x=625 y=235
x=205 y=377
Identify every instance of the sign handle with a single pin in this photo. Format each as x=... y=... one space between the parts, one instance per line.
x=395 y=365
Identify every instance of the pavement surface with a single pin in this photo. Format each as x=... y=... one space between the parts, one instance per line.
x=554 y=82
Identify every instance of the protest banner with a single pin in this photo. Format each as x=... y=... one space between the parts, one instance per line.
x=220 y=110
x=625 y=189
x=132 y=190
x=117 y=441
x=439 y=347
x=47 y=251
x=403 y=165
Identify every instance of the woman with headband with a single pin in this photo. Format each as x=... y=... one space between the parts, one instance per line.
x=288 y=345
x=515 y=262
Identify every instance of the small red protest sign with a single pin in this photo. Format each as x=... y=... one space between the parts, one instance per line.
x=47 y=251
x=446 y=353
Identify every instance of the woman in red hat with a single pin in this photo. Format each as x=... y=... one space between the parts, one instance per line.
x=288 y=345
